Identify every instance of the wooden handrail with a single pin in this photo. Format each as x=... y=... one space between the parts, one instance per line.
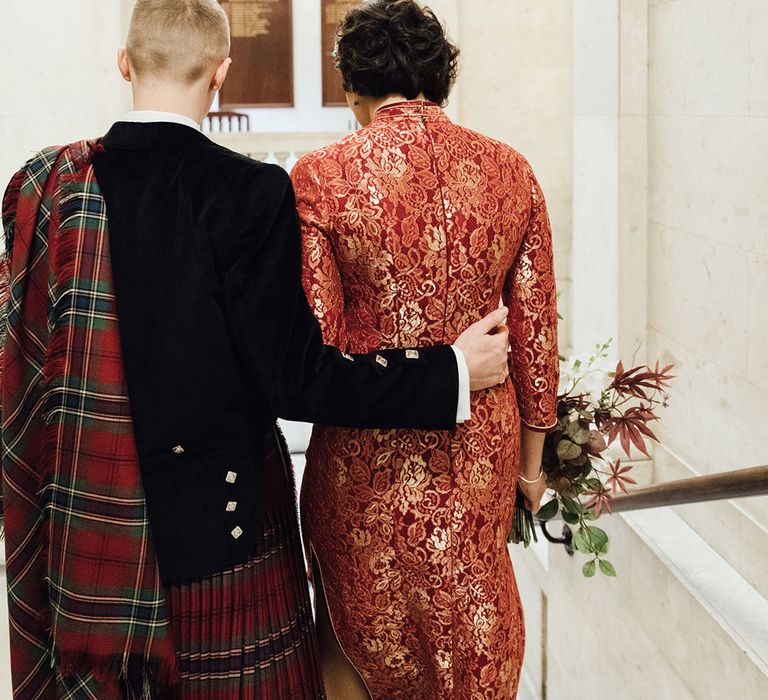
x=700 y=489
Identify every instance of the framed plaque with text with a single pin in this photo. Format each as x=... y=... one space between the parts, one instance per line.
x=333 y=12
x=262 y=54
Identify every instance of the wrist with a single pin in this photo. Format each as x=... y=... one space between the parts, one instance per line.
x=532 y=476
x=530 y=470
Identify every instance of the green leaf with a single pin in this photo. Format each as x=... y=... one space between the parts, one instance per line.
x=598 y=538
x=589 y=538
x=589 y=568
x=589 y=514
x=582 y=437
x=548 y=510
x=567 y=449
x=571 y=504
x=607 y=568
x=581 y=543
x=570 y=518
x=577 y=434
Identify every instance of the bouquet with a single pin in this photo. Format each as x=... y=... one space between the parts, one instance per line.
x=595 y=408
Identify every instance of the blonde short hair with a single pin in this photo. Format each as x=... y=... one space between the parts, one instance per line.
x=177 y=39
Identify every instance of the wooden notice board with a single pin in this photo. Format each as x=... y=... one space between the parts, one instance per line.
x=262 y=54
x=333 y=12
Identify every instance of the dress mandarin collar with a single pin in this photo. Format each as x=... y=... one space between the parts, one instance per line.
x=410 y=108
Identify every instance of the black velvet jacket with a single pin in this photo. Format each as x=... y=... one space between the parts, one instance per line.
x=219 y=340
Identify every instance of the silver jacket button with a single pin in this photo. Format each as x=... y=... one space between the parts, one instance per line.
x=178 y=450
x=412 y=354
x=382 y=360
x=231 y=506
x=237 y=532
x=231 y=477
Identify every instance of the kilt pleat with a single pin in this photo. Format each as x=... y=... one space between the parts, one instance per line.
x=248 y=633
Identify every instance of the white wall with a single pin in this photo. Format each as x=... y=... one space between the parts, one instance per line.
x=59 y=75
x=671 y=223
x=708 y=238
x=595 y=258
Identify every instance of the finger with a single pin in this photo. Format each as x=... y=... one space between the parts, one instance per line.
x=501 y=336
x=491 y=321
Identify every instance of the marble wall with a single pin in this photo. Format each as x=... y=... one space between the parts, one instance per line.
x=670 y=168
x=60 y=80
x=708 y=229
x=648 y=633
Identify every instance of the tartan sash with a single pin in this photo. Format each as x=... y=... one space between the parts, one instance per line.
x=86 y=602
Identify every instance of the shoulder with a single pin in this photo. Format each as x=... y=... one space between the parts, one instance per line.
x=219 y=164
x=36 y=169
x=516 y=167
x=501 y=151
x=40 y=165
x=331 y=158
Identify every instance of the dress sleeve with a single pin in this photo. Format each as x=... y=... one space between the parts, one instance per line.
x=321 y=276
x=280 y=342
x=531 y=296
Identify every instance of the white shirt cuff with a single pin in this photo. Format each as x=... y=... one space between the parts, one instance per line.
x=463 y=408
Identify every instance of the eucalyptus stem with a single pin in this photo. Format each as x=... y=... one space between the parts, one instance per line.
x=523 y=529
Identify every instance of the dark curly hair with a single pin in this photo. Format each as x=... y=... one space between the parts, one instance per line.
x=388 y=47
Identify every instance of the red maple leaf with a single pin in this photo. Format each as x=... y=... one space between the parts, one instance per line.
x=618 y=479
x=599 y=500
x=638 y=381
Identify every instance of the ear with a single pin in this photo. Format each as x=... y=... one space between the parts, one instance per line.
x=221 y=74
x=123 y=65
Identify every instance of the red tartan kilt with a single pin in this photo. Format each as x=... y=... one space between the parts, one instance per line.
x=248 y=633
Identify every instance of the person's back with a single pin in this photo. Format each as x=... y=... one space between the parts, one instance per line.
x=431 y=227
x=176 y=204
x=413 y=226
x=426 y=219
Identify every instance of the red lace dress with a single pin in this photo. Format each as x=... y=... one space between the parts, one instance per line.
x=413 y=229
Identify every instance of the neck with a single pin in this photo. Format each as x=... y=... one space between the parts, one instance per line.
x=376 y=105
x=185 y=100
